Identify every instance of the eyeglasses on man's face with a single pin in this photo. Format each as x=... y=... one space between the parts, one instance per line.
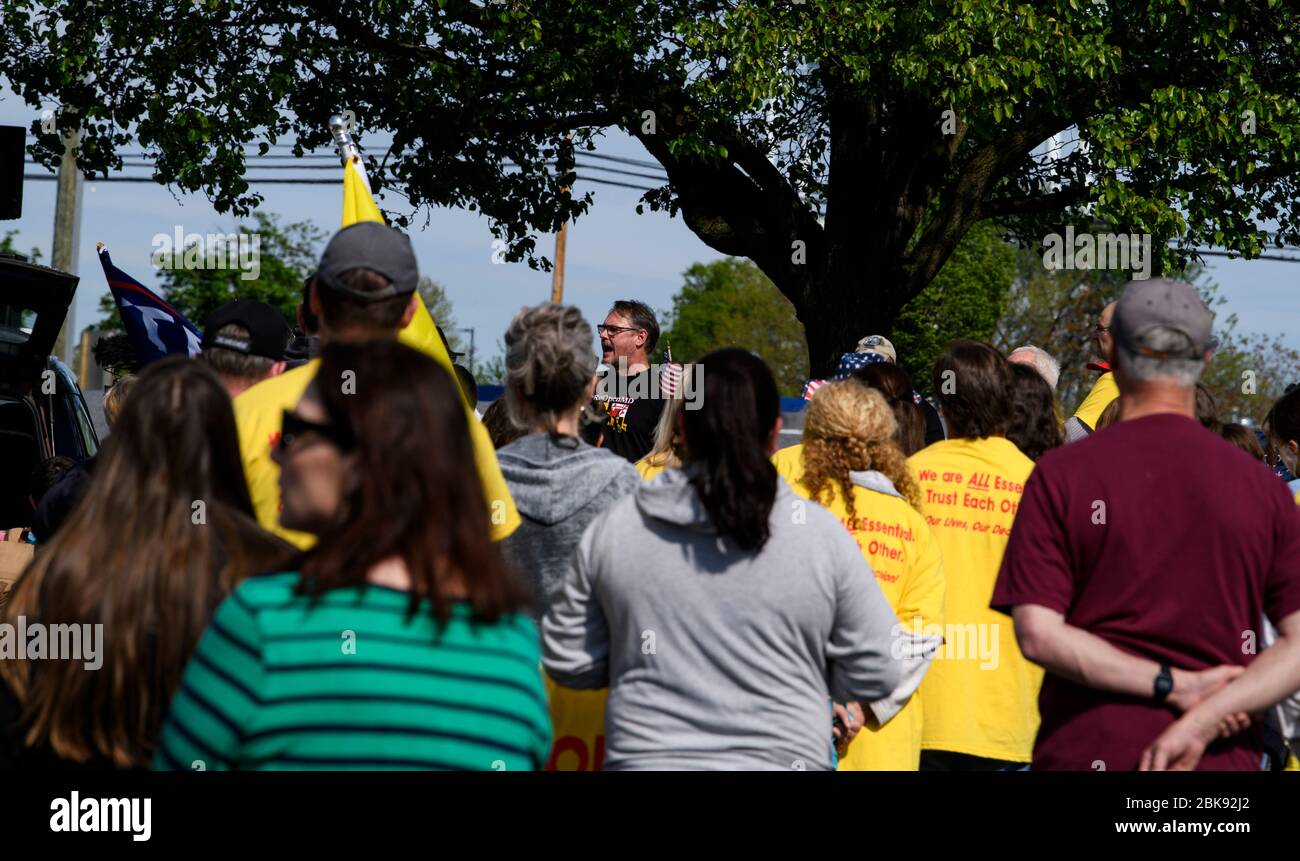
x=606 y=329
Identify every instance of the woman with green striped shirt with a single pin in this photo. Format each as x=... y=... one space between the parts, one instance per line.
x=401 y=641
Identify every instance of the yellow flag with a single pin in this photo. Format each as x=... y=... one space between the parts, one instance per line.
x=422 y=334
x=359 y=205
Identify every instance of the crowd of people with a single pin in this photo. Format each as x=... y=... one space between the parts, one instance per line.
x=310 y=550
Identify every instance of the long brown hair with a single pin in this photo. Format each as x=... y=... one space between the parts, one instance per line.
x=164 y=532
x=896 y=386
x=418 y=494
x=727 y=445
x=850 y=427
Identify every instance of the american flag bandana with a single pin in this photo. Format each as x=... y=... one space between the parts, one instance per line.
x=851 y=362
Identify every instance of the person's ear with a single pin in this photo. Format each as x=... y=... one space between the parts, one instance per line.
x=774 y=440
x=1294 y=448
x=313 y=301
x=277 y=368
x=681 y=426
x=409 y=314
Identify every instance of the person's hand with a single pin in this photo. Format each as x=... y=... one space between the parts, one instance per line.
x=1233 y=724
x=850 y=715
x=1180 y=747
x=1191 y=687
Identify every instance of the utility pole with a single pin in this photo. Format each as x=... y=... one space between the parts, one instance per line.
x=557 y=276
x=67 y=230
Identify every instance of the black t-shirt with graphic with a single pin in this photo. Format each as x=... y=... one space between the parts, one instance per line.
x=633 y=409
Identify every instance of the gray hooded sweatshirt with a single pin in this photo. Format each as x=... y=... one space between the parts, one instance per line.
x=718 y=658
x=559 y=486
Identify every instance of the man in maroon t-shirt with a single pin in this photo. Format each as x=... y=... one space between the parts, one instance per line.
x=1141 y=562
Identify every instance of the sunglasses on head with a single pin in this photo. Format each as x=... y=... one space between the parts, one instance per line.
x=294 y=427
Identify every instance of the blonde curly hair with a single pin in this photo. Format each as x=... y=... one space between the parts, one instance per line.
x=850 y=427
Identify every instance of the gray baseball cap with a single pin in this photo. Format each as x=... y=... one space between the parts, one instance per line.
x=374 y=246
x=1162 y=302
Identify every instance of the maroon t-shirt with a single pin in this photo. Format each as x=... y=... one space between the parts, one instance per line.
x=1167 y=542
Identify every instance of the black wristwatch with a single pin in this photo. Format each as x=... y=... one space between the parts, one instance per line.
x=1164 y=683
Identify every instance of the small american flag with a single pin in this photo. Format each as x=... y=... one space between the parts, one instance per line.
x=811 y=388
x=670 y=374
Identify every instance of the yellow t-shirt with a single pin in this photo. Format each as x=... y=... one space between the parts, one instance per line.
x=578 y=727
x=1103 y=392
x=789 y=463
x=258 y=411
x=895 y=539
x=648 y=470
x=980 y=695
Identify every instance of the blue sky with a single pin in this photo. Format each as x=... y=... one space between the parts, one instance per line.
x=613 y=253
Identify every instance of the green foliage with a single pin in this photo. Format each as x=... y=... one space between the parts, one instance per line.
x=965 y=300
x=918 y=119
x=1056 y=310
x=493 y=371
x=7 y=247
x=287 y=255
x=439 y=305
x=731 y=303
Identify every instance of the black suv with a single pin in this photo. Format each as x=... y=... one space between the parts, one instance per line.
x=42 y=412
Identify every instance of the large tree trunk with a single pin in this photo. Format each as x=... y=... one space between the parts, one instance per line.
x=854 y=299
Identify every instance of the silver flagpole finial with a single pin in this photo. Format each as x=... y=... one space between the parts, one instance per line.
x=341 y=128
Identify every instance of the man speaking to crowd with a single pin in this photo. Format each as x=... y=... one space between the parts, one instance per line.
x=628 y=392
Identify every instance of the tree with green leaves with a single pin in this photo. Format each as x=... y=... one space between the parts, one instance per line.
x=845 y=146
x=964 y=300
x=287 y=254
x=439 y=305
x=1056 y=310
x=7 y=247
x=731 y=302
x=728 y=303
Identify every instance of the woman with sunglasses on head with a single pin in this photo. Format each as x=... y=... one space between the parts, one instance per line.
x=401 y=640
x=163 y=533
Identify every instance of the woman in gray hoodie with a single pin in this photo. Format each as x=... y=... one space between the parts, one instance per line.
x=559 y=483
x=722 y=611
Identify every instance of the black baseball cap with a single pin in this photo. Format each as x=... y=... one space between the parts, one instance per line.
x=374 y=246
x=268 y=333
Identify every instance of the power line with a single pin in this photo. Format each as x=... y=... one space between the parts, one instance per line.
x=260 y=180
x=332 y=164
x=620 y=159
